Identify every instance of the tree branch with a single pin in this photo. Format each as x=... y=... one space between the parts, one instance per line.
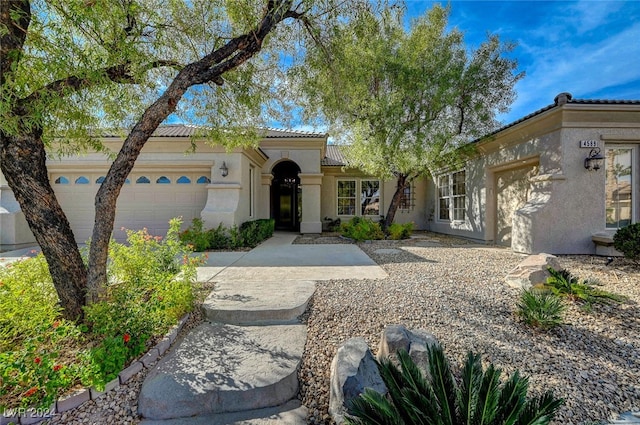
x=12 y=41
x=118 y=73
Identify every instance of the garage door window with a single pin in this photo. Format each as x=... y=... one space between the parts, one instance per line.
x=143 y=180
x=163 y=180
x=62 y=180
x=204 y=180
x=183 y=180
x=82 y=180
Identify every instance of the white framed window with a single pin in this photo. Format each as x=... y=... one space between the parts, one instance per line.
x=370 y=197
x=620 y=185
x=452 y=197
x=347 y=197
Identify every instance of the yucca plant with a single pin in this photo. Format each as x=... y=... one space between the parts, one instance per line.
x=563 y=283
x=540 y=308
x=480 y=398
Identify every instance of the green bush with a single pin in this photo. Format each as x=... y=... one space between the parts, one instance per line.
x=565 y=284
x=42 y=355
x=400 y=231
x=361 y=229
x=149 y=290
x=627 y=241
x=540 y=308
x=248 y=235
x=480 y=397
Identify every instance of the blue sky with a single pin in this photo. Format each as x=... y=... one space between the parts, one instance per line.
x=590 y=48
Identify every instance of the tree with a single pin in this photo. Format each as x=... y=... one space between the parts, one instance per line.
x=71 y=67
x=406 y=100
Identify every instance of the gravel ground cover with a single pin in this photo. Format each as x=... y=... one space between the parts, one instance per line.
x=455 y=289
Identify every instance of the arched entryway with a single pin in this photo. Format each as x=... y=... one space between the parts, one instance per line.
x=286 y=196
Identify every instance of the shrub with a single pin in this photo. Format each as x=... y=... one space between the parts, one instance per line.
x=400 y=231
x=565 y=284
x=149 y=290
x=540 y=308
x=249 y=234
x=42 y=355
x=627 y=241
x=196 y=236
x=360 y=229
x=254 y=232
x=480 y=397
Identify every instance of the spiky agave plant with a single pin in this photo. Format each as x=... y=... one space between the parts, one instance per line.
x=480 y=398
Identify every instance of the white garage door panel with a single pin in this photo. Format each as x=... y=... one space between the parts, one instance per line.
x=139 y=205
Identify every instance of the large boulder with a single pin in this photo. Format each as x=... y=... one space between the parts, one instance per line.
x=532 y=271
x=353 y=369
x=414 y=342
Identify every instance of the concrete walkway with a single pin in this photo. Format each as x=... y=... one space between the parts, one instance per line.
x=240 y=367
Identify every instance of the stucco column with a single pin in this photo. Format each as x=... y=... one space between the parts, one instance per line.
x=264 y=198
x=223 y=196
x=311 y=184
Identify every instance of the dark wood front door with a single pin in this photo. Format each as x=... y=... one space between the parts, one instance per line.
x=286 y=196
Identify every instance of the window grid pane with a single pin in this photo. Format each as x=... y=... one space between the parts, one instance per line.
x=346 y=197
x=452 y=199
x=370 y=199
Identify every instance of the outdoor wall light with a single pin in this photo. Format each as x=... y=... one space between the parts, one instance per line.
x=224 y=171
x=594 y=160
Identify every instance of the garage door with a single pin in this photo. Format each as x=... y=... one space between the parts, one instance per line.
x=147 y=200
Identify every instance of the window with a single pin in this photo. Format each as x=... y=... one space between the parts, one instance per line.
x=619 y=186
x=163 y=180
x=406 y=203
x=204 y=180
x=183 y=180
x=452 y=197
x=370 y=197
x=82 y=180
x=61 y=180
x=100 y=180
x=346 y=197
x=359 y=197
x=143 y=180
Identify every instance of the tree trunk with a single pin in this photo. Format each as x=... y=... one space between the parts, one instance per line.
x=22 y=160
x=403 y=183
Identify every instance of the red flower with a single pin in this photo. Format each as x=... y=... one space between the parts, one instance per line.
x=31 y=391
x=56 y=324
x=37 y=360
x=57 y=367
x=126 y=338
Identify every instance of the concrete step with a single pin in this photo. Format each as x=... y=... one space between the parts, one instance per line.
x=290 y=413
x=221 y=368
x=258 y=303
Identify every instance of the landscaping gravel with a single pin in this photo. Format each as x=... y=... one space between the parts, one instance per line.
x=455 y=289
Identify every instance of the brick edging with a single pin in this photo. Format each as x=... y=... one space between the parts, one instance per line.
x=77 y=398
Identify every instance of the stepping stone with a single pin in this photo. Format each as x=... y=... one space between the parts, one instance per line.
x=290 y=413
x=220 y=368
x=253 y=303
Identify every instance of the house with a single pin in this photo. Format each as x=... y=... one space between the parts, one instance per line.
x=527 y=186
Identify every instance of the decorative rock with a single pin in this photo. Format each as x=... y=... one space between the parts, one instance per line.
x=396 y=337
x=151 y=356
x=353 y=369
x=532 y=271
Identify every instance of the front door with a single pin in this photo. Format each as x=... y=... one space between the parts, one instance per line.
x=286 y=199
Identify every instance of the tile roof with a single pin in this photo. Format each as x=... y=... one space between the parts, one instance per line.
x=188 y=130
x=561 y=99
x=333 y=157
